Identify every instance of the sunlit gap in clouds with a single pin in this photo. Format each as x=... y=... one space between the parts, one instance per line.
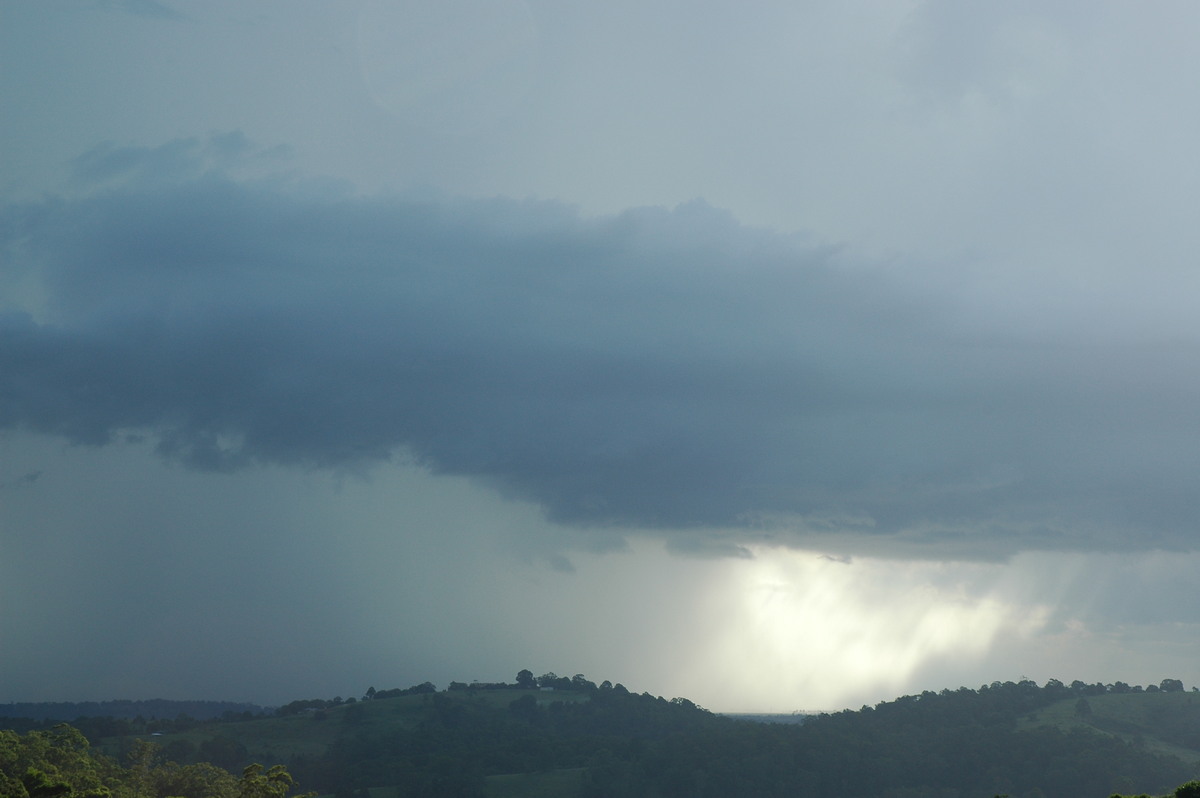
x=813 y=632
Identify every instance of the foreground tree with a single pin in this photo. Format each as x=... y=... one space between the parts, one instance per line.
x=274 y=783
x=59 y=763
x=1188 y=790
x=53 y=764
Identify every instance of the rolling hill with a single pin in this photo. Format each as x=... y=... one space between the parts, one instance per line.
x=586 y=741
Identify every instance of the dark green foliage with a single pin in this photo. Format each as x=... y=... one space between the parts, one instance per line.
x=275 y=782
x=199 y=780
x=418 y=689
x=60 y=763
x=1189 y=790
x=38 y=785
x=224 y=752
x=1013 y=739
x=458 y=739
x=303 y=705
x=963 y=742
x=53 y=763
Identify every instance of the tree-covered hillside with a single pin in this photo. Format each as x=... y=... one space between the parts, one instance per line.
x=571 y=737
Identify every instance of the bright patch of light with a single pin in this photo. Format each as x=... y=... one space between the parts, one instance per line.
x=811 y=632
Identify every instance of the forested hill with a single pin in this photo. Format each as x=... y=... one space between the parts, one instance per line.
x=587 y=741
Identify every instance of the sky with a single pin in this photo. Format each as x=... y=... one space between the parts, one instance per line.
x=780 y=356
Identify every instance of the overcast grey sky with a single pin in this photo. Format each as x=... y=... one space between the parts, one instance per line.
x=777 y=355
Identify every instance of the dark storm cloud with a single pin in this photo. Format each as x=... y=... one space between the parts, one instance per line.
x=656 y=368
x=21 y=481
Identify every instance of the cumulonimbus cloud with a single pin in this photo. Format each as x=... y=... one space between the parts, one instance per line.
x=656 y=368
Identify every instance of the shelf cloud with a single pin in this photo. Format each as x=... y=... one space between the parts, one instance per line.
x=666 y=369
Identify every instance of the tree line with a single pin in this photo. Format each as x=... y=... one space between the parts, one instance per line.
x=421 y=742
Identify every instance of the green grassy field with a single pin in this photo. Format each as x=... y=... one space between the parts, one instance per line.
x=551 y=784
x=1167 y=723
